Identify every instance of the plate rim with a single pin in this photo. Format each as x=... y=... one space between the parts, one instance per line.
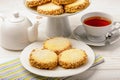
x=30 y=67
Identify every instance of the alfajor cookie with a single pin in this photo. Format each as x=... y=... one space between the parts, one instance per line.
x=76 y=6
x=72 y=58
x=63 y=2
x=50 y=9
x=43 y=59
x=57 y=44
x=34 y=3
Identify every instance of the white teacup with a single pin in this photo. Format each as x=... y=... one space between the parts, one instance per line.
x=97 y=25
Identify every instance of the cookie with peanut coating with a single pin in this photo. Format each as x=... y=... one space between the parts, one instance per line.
x=44 y=1
x=76 y=6
x=50 y=9
x=72 y=58
x=34 y=3
x=43 y=59
x=57 y=44
x=63 y=2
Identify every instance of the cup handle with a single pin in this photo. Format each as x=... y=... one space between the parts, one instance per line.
x=116 y=27
x=116 y=23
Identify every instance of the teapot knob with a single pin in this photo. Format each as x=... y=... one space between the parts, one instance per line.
x=16 y=14
x=16 y=17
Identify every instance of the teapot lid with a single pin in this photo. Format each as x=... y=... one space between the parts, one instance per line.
x=15 y=18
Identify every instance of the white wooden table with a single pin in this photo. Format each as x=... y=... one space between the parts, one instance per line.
x=109 y=70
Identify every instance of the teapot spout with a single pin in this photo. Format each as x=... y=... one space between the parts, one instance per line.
x=33 y=32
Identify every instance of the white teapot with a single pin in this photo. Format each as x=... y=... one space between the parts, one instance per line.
x=17 y=32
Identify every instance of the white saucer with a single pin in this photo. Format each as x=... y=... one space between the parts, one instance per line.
x=80 y=34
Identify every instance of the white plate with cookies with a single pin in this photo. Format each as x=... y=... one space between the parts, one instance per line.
x=56 y=8
x=61 y=69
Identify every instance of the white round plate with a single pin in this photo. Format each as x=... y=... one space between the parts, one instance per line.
x=80 y=34
x=55 y=16
x=57 y=72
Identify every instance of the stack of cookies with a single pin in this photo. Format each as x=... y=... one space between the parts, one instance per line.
x=57 y=7
x=57 y=51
